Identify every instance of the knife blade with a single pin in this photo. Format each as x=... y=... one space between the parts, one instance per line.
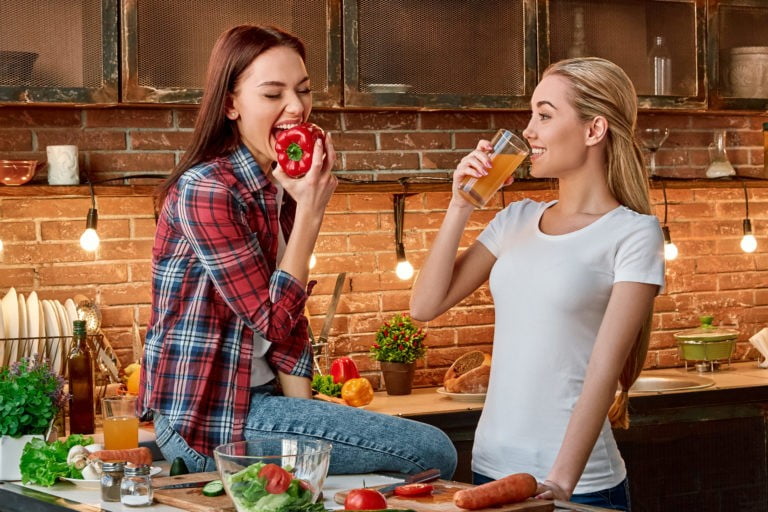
x=424 y=476
x=184 y=485
x=332 y=308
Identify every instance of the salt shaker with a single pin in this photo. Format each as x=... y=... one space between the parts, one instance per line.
x=111 y=477
x=136 y=487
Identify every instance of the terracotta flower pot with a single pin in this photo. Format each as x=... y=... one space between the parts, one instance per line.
x=398 y=377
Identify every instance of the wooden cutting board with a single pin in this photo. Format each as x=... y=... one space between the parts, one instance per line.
x=441 y=500
x=192 y=499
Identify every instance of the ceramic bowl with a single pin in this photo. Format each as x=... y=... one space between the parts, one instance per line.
x=749 y=72
x=240 y=466
x=17 y=172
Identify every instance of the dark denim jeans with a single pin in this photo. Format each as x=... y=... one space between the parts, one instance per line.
x=616 y=498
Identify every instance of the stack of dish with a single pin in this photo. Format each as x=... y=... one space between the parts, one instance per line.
x=32 y=326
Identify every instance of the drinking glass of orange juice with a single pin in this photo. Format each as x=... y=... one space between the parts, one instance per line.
x=121 y=424
x=507 y=154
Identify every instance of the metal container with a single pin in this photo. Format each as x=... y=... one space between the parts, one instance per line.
x=706 y=342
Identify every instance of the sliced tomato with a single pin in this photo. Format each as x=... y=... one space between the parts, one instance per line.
x=277 y=478
x=414 y=490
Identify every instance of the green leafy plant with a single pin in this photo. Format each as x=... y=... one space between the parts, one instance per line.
x=399 y=341
x=324 y=384
x=43 y=463
x=31 y=395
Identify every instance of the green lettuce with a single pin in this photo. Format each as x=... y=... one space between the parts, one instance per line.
x=43 y=463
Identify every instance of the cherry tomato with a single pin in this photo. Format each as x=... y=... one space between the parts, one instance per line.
x=277 y=478
x=414 y=490
x=365 y=499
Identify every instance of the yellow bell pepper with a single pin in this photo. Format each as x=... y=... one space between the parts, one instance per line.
x=357 y=392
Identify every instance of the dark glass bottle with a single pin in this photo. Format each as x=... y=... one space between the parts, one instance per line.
x=81 y=409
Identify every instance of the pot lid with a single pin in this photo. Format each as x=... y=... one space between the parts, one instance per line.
x=707 y=332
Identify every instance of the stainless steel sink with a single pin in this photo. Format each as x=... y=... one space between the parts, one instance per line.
x=661 y=382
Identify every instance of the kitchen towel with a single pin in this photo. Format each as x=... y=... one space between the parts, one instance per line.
x=760 y=342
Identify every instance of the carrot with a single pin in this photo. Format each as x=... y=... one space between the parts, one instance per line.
x=510 y=489
x=138 y=456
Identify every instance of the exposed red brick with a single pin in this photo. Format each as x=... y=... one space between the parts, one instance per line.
x=132 y=162
x=456 y=121
x=21 y=278
x=11 y=232
x=32 y=117
x=77 y=274
x=185 y=118
x=85 y=140
x=15 y=140
x=129 y=118
x=127 y=206
x=351 y=141
x=44 y=208
x=415 y=140
x=381 y=161
x=380 y=121
x=144 y=140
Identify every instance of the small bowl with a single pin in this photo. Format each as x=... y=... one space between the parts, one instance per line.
x=239 y=463
x=17 y=172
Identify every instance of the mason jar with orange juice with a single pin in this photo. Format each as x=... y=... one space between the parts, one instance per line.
x=121 y=424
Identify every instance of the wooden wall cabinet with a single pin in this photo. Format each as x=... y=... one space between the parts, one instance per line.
x=58 y=51
x=625 y=31
x=439 y=54
x=166 y=45
x=738 y=54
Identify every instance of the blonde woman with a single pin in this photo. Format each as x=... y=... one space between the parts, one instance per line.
x=573 y=282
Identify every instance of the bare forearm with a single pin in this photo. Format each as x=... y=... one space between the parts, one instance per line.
x=293 y=386
x=432 y=284
x=301 y=244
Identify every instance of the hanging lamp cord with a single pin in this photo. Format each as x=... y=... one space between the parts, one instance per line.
x=746 y=199
x=664 y=192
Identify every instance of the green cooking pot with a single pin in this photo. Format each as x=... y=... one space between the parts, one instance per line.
x=707 y=342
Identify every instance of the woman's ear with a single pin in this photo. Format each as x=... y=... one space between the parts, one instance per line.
x=597 y=129
x=230 y=111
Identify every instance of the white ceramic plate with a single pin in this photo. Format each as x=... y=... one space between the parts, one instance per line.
x=23 y=325
x=11 y=317
x=55 y=348
x=71 y=308
x=462 y=397
x=96 y=484
x=33 y=321
x=64 y=321
x=3 y=360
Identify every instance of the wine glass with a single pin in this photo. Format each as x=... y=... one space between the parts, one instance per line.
x=652 y=139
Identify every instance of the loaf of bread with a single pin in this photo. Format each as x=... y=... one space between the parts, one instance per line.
x=469 y=373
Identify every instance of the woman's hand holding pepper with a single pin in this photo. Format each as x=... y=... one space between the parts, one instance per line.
x=313 y=191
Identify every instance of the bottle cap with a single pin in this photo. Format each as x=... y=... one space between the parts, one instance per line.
x=113 y=466
x=78 y=326
x=137 y=470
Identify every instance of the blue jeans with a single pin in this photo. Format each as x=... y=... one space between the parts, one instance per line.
x=363 y=441
x=616 y=498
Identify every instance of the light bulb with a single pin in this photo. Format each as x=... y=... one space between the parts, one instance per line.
x=749 y=243
x=404 y=270
x=670 y=251
x=89 y=240
x=312 y=261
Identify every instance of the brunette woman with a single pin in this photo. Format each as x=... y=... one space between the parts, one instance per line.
x=573 y=282
x=230 y=279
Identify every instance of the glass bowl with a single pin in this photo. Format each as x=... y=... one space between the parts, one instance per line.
x=17 y=172
x=252 y=475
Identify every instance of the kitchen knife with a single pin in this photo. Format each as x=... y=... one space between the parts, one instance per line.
x=185 y=485
x=332 y=308
x=424 y=476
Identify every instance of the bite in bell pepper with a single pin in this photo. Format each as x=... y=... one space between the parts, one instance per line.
x=343 y=369
x=294 y=148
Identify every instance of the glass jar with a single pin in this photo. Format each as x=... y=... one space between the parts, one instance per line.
x=111 y=477
x=136 y=487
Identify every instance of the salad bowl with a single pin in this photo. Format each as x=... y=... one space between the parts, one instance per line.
x=273 y=474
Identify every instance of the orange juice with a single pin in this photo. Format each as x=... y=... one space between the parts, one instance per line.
x=479 y=190
x=121 y=432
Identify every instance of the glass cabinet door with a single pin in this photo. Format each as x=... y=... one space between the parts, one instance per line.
x=738 y=54
x=167 y=43
x=58 y=51
x=439 y=53
x=658 y=43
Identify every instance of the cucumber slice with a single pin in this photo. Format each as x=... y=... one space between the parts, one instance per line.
x=213 y=488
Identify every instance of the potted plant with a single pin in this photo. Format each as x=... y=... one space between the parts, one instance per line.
x=31 y=395
x=399 y=343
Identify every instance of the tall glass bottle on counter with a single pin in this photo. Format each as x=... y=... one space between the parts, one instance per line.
x=81 y=407
x=660 y=63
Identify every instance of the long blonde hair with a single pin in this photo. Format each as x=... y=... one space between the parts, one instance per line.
x=601 y=88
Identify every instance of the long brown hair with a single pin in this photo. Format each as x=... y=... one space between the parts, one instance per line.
x=601 y=88
x=214 y=134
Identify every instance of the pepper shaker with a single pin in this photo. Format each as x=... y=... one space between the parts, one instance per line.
x=111 y=478
x=136 y=487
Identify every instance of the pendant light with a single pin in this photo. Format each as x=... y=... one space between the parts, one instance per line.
x=670 y=249
x=89 y=240
x=748 y=241
x=404 y=269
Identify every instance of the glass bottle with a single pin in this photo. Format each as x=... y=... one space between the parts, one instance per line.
x=660 y=62
x=111 y=478
x=80 y=363
x=719 y=165
x=578 y=46
x=136 y=487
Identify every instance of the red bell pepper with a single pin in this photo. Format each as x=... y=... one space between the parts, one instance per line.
x=343 y=369
x=294 y=148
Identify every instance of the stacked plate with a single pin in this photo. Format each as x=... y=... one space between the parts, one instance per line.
x=32 y=326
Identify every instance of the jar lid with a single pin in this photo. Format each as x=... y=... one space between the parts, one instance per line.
x=707 y=332
x=113 y=466
x=137 y=470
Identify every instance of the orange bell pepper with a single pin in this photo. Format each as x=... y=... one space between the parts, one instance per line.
x=357 y=392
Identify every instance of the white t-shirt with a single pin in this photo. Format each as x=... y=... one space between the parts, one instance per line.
x=261 y=372
x=550 y=294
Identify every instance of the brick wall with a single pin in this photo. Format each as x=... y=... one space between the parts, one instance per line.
x=40 y=230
